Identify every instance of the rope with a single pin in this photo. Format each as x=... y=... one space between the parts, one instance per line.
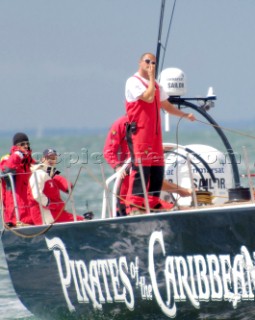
x=204 y=197
x=227 y=129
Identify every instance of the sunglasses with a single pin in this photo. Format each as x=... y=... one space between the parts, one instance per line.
x=148 y=61
x=23 y=144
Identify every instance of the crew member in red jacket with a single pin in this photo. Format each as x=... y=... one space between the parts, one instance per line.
x=45 y=184
x=115 y=153
x=17 y=163
x=144 y=98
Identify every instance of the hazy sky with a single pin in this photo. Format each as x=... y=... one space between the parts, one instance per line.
x=64 y=63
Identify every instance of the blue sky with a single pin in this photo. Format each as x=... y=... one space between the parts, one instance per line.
x=64 y=63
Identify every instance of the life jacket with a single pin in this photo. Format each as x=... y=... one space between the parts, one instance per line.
x=146 y=115
x=145 y=142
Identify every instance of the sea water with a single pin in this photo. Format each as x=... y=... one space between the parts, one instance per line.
x=86 y=151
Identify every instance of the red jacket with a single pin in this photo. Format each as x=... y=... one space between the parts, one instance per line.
x=18 y=163
x=116 y=148
x=48 y=195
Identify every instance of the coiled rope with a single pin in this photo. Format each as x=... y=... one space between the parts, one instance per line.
x=204 y=197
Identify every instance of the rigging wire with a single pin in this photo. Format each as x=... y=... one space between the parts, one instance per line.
x=227 y=129
x=167 y=36
x=159 y=43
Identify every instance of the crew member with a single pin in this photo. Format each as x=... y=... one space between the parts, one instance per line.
x=17 y=163
x=116 y=152
x=144 y=98
x=44 y=196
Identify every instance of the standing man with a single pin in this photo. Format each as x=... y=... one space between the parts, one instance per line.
x=144 y=98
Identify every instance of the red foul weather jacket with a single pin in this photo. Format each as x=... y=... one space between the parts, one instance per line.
x=17 y=162
x=48 y=195
x=115 y=147
x=116 y=152
x=147 y=140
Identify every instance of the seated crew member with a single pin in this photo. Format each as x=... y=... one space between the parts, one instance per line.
x=44 y=196
x=17 y=163
x=116 y=151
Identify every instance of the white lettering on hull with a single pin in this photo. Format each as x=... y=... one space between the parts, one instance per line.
x=192 y=279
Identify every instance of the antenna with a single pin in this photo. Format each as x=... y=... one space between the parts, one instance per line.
x=210 y=94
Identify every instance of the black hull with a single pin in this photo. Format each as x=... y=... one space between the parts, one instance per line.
x=196 y=264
